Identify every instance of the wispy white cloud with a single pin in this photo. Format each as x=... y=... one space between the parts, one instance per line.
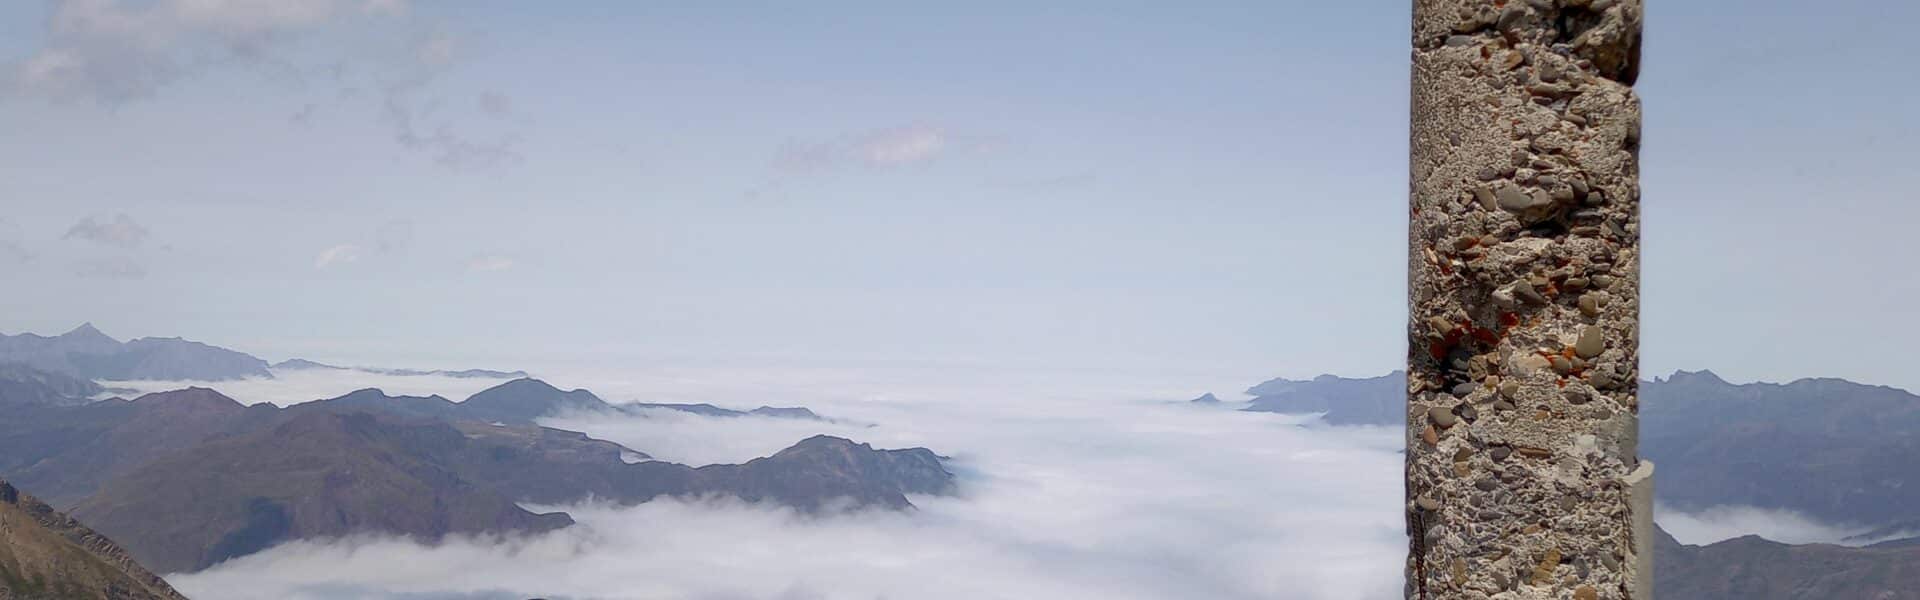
x=1728 y=522
x=119 y=230
x=113 y=267
x=111 y=51
x=486 y=264
x=881 y=148
x=336 y=255
x=902 y=146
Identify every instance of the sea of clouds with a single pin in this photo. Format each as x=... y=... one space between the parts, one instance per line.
x=1076 y=485
x=1073 y=485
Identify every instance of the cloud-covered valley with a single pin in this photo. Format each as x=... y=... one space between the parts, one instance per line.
x=1101 y=487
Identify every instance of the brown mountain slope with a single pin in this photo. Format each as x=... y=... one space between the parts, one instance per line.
x=115 y=436
x=45 y=555
x=189 y=478
x=318 y=475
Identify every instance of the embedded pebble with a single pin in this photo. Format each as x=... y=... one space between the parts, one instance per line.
x=1428 y=503
x=1592 y=342
x=1525 y=290
x=1441 y=416
x=1561 y=364
x=1530 y=363
x=1592 y=302
x=1511 y=199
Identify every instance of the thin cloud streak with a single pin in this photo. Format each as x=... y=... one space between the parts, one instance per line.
x=336 y=255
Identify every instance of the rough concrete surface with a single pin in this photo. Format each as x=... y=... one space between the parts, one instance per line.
x=1523 y=272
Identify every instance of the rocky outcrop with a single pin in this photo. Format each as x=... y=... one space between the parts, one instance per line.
x=1524 y=301
x=45 y=555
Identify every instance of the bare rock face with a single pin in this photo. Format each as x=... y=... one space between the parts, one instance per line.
x=48 y=555
x=1524 y=267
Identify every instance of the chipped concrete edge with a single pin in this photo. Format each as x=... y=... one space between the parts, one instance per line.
x=1639 y=485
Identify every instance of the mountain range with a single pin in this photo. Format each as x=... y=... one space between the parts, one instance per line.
x=301 y=364
x=1752 y=568
x=86 y=353
x=1833 y=450
x=188 y=478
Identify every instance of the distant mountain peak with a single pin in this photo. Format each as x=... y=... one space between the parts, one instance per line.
x=85 y=329
x=301 y=363
x=1207 y=398
x=193 y=397
x=1700 y=376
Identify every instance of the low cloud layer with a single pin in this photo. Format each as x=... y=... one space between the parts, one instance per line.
x=1728 y=522
x=1068 y=492
x=293 y=386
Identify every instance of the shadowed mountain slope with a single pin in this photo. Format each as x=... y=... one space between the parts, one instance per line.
x=317 y=475
x=189 y=478
x=1751 y=568
x=24 y=384
x=1834 y=450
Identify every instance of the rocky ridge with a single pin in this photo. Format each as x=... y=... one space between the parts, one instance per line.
x=45 y=555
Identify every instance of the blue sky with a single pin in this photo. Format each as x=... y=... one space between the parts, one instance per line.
x=1215 y=188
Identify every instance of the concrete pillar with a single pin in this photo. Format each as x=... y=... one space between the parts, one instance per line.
x=1523 y=303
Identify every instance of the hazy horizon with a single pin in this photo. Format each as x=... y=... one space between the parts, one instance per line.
x=437 y=185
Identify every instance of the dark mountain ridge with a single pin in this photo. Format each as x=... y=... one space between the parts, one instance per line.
x=1752 y=568
x=189 y=478
x=1831 y=449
